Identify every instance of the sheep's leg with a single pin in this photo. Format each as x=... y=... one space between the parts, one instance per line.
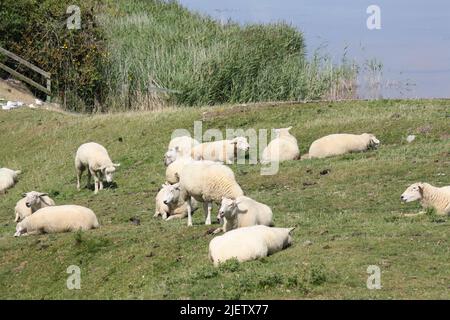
x=189 y=211
x=207 y=206
x=79 y=174
x=89 y=175
x=101 y=184
x=96 y=184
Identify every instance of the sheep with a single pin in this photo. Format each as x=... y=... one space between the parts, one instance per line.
x=206 y=182
x=55 y=219
x=222 y=151
x=283 y=147
x=243 y=212
x=30 y=203
x=8 y=178
x=429 y=196
x=170 y=211
x=249 y=243
x=95 y=158
x=179 y=147
x=337 y=144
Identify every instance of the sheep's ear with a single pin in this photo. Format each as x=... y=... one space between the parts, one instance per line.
x=18 y=172
x=291 y=229
x=24 y=195
x=289 y=128
x=42 y=194
x=116 y=164
x=421 y=189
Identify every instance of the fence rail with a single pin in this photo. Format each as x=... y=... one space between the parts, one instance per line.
x=20 y=76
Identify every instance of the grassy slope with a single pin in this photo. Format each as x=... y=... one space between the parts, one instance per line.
x=352 y=215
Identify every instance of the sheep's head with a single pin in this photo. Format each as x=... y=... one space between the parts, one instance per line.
x=241 y=143
x=20 y=229
x=172 y=194
x=171 y=155
x=289 y=238
x=413 y=192
x=108 y=171
x=373 y=141
x=227 y=209
x=33 y=199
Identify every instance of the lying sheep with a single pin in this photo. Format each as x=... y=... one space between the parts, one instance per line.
x=171 y=211
x=55 y=219
x=249 y=243
x=223 y=150
x=243 y=212
x=337 y=144
x=283 y=147
x=95 y=158
x=206 y=182
x=179 y=147
x=30 y=203
x=8 y=178
x=429 y=196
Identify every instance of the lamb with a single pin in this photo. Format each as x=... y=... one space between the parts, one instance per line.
x=337 y=144
x=8 y=178
x=206 y=182
x=249 y=243
x=225 y=151
x=283 y=147
x=30 y=203
x=243 y=212
x=55 y=219
x=179 y=147
x=429 y=196
x=171 y=211
x=95 y=158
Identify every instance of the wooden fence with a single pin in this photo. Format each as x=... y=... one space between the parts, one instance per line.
x=20 y=76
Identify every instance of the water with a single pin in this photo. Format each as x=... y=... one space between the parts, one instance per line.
x=413 y=43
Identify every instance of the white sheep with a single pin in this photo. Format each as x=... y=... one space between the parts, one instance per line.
x=429 y=196
x=249 y=243
x=171 y=211
x=8 y=178
x=95 y=158
x=179 y=147
x=206 y=182
x=54 y=219
x=337 y=144
x=30 y=203
x=284 y=147
x=243 y=212
x=222 y=151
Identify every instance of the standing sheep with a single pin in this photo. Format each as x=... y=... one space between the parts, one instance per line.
x=179 y=147
x=243 y=212
x=429 y=196
x=95 y=158
x=8 y=178
x=171 y=211
x=283 y=147
x=30 y=203
x=222 y=151
x=205 y=182
x=55 y=219
x=337 y=144
x=249 y=243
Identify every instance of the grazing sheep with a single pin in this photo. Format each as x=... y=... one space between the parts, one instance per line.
x=429 y=196
x=170 y=211
x=283 y=147
x=173 y=170
x=249 y=243
x=222 y=150
x=206 y=182
x=54 y=219
x=30 y=203
x=8 y=178
x=337 y=144
x=95 y=158
x=243 y=212
x=179 y=147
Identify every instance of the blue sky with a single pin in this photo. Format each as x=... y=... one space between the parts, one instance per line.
x=413 y=43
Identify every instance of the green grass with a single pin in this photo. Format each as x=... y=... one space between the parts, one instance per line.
x=352 y=215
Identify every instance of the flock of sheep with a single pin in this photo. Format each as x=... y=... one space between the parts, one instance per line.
x=197 y=173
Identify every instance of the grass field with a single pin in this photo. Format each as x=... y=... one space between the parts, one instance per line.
x=352 y=215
